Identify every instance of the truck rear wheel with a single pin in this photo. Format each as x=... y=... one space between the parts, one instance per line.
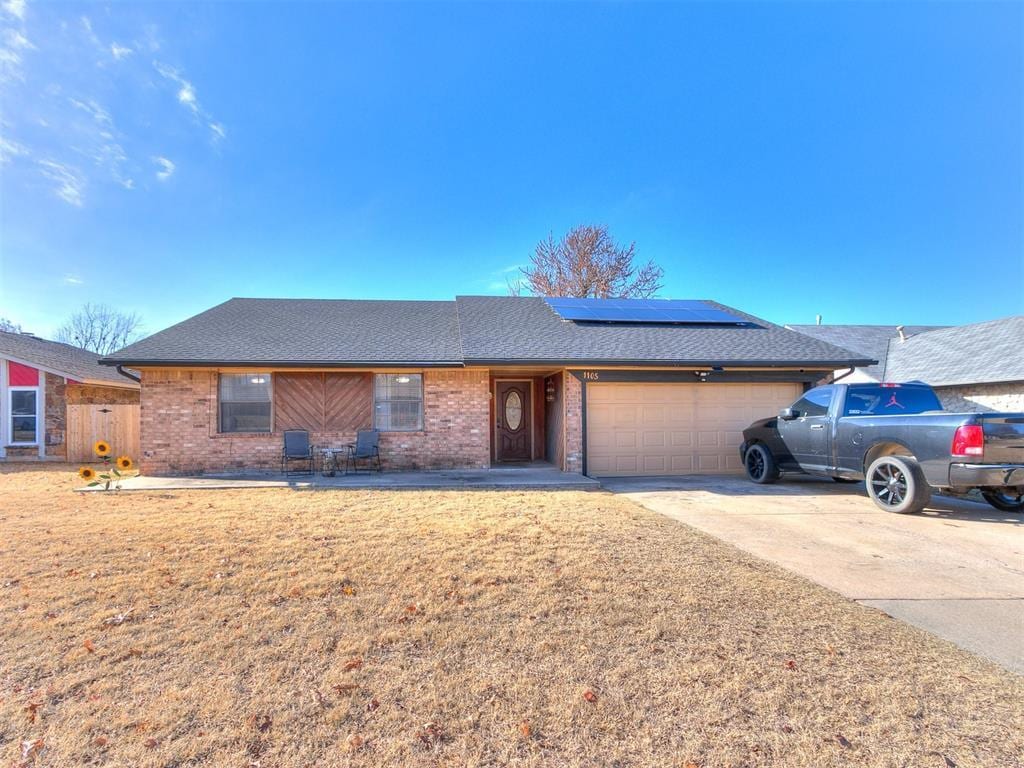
x=760 y=464
x=1005 y=501
x=897 y=484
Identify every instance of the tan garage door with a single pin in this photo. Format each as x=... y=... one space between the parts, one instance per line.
x=675 y=429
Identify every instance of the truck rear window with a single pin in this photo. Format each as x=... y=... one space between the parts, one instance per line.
x=885 y=401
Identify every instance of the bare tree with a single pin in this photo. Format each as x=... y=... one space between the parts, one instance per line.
x=100 y=329
x=9 y=326
x=587 y=262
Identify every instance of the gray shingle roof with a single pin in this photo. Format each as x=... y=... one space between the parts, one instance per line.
x=314 y=331
x=867 y=340
x=527 y=329
x=78 y=364
x=471 y=329
x=967 y=354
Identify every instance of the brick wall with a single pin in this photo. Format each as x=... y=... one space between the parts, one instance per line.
x=86 y=394
x=983 y=397
x=573 y=423
x=179 y=427
x=55 y=416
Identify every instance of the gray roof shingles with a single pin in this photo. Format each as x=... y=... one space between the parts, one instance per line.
x=79 y=364
x=526 y=329
x=867 y=340
x=980 y=353
x=313 y=331
x=471 y=329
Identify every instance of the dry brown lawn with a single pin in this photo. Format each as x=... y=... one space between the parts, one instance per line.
x=280 y=628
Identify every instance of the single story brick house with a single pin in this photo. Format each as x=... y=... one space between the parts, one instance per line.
x=976 y=367
x=603 y=387
x=56 y=401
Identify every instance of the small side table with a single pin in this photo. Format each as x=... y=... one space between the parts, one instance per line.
x=329 y=461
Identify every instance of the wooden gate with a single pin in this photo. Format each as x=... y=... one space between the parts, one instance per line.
x=117 y=424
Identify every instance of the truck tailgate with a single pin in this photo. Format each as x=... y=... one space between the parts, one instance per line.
x=1004 y=438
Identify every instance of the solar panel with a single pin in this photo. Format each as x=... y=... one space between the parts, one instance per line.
x=660 y=311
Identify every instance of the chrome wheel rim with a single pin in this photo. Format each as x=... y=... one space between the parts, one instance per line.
x=755 y=464
x=889 y=484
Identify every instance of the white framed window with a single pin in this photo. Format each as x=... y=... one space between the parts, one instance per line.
x=243 y=402
x=23 y=415
x=398 y=402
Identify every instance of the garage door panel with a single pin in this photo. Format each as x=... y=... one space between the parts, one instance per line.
x=656 y=429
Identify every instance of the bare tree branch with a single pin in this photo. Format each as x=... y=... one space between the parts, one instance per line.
x=587 y=262
x=100 y=329
x=9 y=325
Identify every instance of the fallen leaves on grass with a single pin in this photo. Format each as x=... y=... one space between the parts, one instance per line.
x=30 y=748
x=89 y=646
x=117 y=619
x=354 y=742
x=261 y=722
x=430 y=733
x=589 y=695
x=31 y=708
x=354 y=663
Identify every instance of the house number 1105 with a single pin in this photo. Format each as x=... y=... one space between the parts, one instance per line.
x=591 y=375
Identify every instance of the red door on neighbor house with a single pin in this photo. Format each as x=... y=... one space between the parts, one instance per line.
x=512 y=420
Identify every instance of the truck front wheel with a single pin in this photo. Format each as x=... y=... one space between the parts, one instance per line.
x=760 y=464
x=1005 y=501
x=897 y=484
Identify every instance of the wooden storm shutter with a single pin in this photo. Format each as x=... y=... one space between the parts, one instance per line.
x=323 y=402
x=348 y=401
x=299 y=401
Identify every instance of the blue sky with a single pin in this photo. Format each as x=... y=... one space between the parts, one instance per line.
x=864 y=161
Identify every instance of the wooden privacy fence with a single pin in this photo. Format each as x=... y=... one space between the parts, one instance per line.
x=116 y=424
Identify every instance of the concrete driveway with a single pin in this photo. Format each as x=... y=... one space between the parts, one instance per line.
x=956 y=569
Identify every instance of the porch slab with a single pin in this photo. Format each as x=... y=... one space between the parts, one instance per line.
x=533 y=477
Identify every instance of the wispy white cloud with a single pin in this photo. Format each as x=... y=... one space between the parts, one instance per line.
x=186 y=94
x=89 y=106
x=120 y=51
x=15 y=8
x=90 y=34
x=10 y=148
x=17 y=40
x=166 y=168
x=186 y=91
x=69 y=182
x=70 y=279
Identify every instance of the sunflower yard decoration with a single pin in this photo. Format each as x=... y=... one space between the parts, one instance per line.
x=113 y=470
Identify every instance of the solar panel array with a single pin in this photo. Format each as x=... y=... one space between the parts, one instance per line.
x=683 y=311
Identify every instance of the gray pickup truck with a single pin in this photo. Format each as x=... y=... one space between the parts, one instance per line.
x=897 y=439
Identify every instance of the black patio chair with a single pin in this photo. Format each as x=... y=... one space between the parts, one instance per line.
x=366 y=448
x=297 y=449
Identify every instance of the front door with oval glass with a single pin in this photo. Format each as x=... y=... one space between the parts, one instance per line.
x=512 y=421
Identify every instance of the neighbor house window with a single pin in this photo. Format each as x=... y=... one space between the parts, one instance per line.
x=244 y=401
x=24 y=415
x=398 y=402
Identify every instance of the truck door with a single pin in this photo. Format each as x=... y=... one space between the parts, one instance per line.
x=807 y=436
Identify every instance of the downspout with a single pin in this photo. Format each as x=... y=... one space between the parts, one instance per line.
x=120 y=369
x=839 y=378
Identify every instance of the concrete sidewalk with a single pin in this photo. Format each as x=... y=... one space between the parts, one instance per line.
x=956 y=569
x=531 y=477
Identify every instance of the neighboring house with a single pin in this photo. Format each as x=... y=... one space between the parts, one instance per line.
x=868 y=340
x=978 y=367
x=470 y=383
x=57 y=400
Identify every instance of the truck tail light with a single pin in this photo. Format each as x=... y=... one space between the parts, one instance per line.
x=968 y=440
